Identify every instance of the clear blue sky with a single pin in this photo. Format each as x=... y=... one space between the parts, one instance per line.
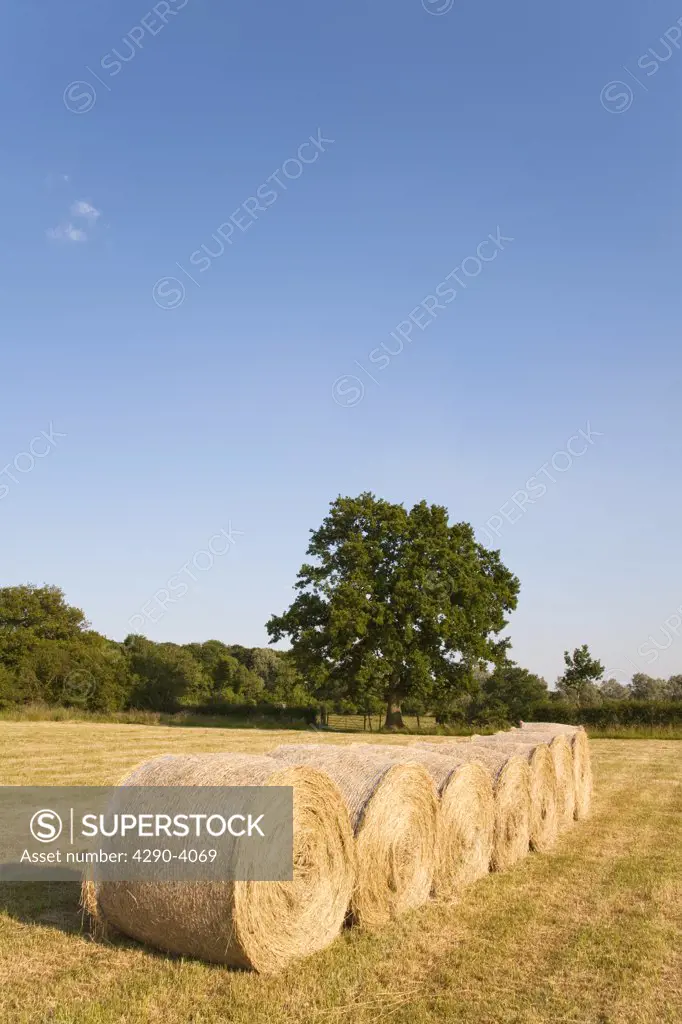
x=447 y=127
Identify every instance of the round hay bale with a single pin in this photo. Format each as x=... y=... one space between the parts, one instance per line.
x=582 y=773
x=544 y=818
x=560 y=749
x=467 y=815
x=510 y=777
x=258 y=925
x=393 y=809
x=580 y=752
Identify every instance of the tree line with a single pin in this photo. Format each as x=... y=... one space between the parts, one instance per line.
x=396 y=610
x=49 y=654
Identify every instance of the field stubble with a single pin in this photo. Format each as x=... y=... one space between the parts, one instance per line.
x=589 y=933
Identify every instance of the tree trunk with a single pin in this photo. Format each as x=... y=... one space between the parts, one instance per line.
x=394 y=715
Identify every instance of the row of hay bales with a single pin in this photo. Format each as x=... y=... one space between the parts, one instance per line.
x=378 y=830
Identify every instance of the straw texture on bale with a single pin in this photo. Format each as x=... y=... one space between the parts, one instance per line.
x=553 y=727
x=394 y=810
x=466 y=820
x=510 y=776
x=258 y=925
x=560 y=749
x=544 y=819
x=580 y=750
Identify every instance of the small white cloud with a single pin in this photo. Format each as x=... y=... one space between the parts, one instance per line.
x=86 y=210
x=67 y=233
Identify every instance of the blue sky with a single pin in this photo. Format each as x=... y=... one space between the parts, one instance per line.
x=235 y=410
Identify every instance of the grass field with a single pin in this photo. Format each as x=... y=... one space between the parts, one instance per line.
x=368 y=725
x=592 y=933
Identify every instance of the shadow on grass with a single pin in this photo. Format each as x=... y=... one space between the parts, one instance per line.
x=58 y=905
x=192 y=720
x=183 y=720
x=50 y=904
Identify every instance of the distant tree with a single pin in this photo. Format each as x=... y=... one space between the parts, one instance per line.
x=29 y=614
x=105 y=683
x=286 y=685
x=611 y=689
x=267 y=664
x=207 y=654
x=674 y=688
x=397 y=604
x=579 y=681
x=9 y=693
x=513 y=691
x=644 y=687
x=8 y=687
x=166 y=677
x=457 y=708
x=235 y=683
x=244 y=655
x=49 y=654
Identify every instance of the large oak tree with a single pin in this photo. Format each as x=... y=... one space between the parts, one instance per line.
x=397 y=604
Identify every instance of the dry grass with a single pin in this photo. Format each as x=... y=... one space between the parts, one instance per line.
x=591 y=934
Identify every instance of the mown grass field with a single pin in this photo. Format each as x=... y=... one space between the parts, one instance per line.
x=592 y=933
x=370 y=726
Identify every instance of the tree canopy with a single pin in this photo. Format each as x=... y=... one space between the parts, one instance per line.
x=30 y=614
x=49 y=655
x=582 y=674
x=512 y=692
x=396 y=605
